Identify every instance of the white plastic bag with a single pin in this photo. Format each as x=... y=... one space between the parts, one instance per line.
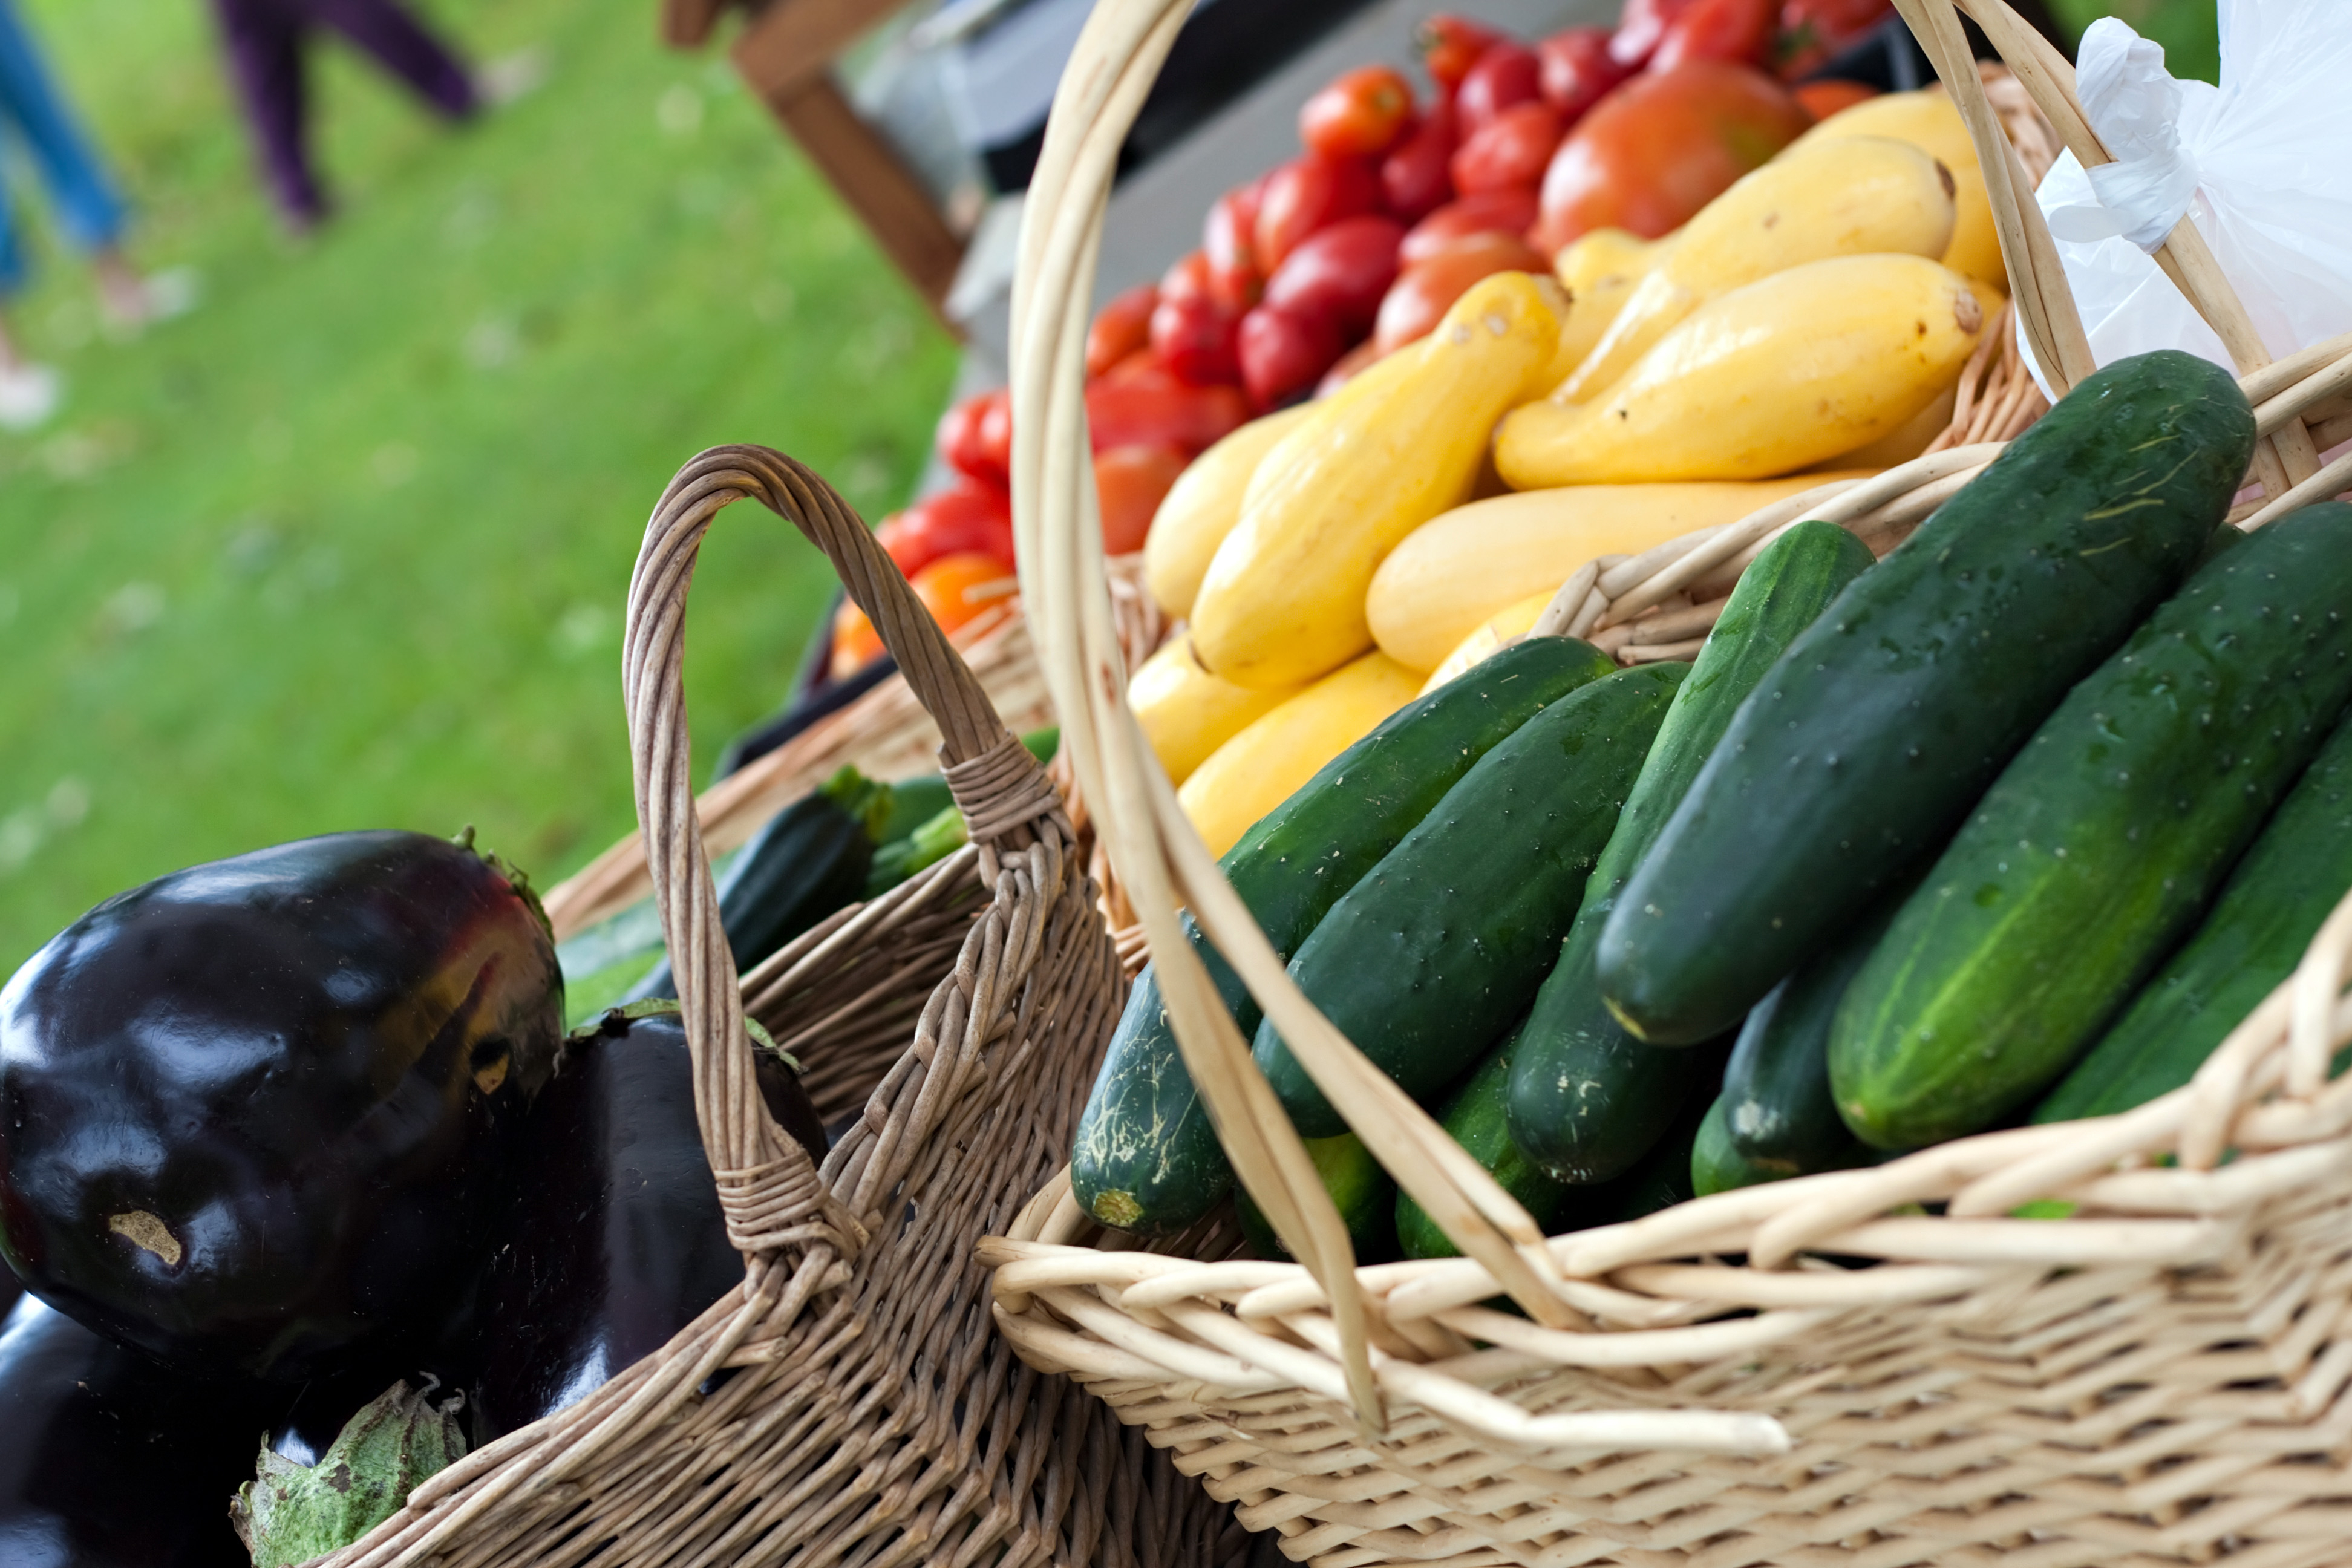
x=2262 y=163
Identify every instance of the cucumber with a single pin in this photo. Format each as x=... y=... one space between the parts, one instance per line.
x=2298 y=871
x=1717 y=1166
x=1366 y=1194
x=1145 y=1159
x=2102 y=841
x=1587 y=1098
x=1429 y=958
x=1661 y=1178
x=1883 y=724
x=1473 y=1119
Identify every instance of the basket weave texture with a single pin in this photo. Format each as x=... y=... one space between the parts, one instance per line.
x=850 y=1405
x=1820 y=1372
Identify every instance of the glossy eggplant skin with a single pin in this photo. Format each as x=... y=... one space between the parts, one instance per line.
x=254 y=1116
x=107 y=1460
x=615 y=1241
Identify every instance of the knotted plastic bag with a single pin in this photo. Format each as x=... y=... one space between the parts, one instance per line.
x=2262 y=164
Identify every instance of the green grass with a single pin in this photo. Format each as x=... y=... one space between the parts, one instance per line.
x=347 y=546
x=2188 y=29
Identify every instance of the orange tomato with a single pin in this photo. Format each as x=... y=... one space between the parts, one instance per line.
x=1129 y=484
x=1824 y=97
x=856 y=642
x=955 y=588
x=1120 y=327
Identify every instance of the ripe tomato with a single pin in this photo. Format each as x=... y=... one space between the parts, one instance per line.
x=975 y=436
x=856 y=642
x=967 y=516
x=1829 y=95
x=1660 y=147
x=1577 y=71
x=1352 y=363
x=1421 y=296
x=1144 y=367
x=1120 y=327
x=1415 y=180
x=1510 y=211
x=1506 y=74
x=1308 y=194
x=1451 y=45
x=1129 y=484
x=1339 y=273
x=1510 y=151
x=1641 y=28
x=1187 y=277
x=1363 y=114
x=1146 y=414
x=1284 y=353
x=1228 y=242
x=1812 y=31
x=1717 y=30
x=1195 y=338
x=957 y=588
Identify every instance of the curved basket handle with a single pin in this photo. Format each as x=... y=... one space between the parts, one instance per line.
x=768 y=1186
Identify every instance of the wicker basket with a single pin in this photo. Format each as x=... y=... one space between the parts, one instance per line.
x=850 y=1403
x=1818 y=1371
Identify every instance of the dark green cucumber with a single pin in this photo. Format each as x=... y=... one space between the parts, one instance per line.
x=2101 y=842
x=1430 y=958
x=1587 y=1098
x=913 y=802
x=1883 y=724
x=1365 y=1194
x=1661 y=1178
x=2298 y=871
x=1473 y=1119
x=1717 y=1166
x=1145 y=1158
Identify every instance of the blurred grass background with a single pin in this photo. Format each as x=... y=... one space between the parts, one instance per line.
x=346 y=546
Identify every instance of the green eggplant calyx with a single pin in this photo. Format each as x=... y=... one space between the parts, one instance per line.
x=291 y=1513
x=865 y=801
x=517 y=877
x=613 y=1020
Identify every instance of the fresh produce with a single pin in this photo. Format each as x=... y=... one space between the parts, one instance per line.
x=966 y=518
x=1119 y=329
x=1363 y=114
x=1497 y=631
x=1339 y=273
x=1146 y=1159
x=1142 y=413
x=1263 y=764
x=1873 y=736
x=956 y=589
x=1600 y=272
x=1284 y=598
x=1506 y=75
x=1309 y=194
x=1577 y=70
x=1427 y=290
x=933 y=841
x=1442 y=944
x=620 y=1243
x=1187 y=713
x=1284 y=352
x=1858 y=196
x=1504 y=212
x=1509 y=151
x=1416 y=177
x=1717 y=1166
x=1129 y=484
x=1467 y=565
x=2100 y=844
x=1474 y=1117
x=2290 y=881
x=975 y=436
x=1826 y=96
x=292 y=1512
x=1812 y=31
x=1716 y=30
x=1364 y=1193
x=1450 y=46
x=1779 y=375
x=308 y=1061
x=1931 y=122
x=1587 y=1100
x=1201 y=507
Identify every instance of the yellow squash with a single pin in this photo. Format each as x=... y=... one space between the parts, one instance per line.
x=1600 y=272
x=1930 y=121
x=1202 y=508
x=1284 y=598
x=1494 y=634
x=1264 y=765
x=1186 y=712
x=1456 y=571
x=1784 y=374
x=1856 y=195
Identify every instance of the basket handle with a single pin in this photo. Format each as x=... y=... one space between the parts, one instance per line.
x=768 y=1187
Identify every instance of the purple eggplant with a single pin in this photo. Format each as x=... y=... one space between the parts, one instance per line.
x=255 y=1116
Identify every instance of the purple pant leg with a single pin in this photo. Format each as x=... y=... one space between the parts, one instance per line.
x=400 y=45
x=264 y=40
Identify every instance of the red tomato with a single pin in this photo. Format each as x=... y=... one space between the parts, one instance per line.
x=1508 y=73
x=1235 y=277
x=1414 y=179
x=1509 y=211
x=1577 y=71
x=1339 y=274
x=1717 y=30
x=1284 y=353
x=1129 y=484
x=1827 y=97
x=1143 y=413
x=1363 y=114
x=1641 y=28
x=966 y=516
x=1812 y=31
x=958 y=588
x=1663 y=147
x=1195 y=338
x=1352 y=363
x=1186 y=278
x=1420 y=298
x=975 y=436
x=1144 y=367
x=1451 y=45
x=1309 y=194
x=1509 y=151
x=1120 y=327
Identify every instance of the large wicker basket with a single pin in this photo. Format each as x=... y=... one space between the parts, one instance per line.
x=1824 y=1371
x=851 y=1402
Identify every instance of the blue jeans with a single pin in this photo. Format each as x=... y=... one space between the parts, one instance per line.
x=34 y=118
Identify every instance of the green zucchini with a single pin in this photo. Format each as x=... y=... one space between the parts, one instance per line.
x=1717 y=1166
x=1883 y=724
x=1587 y=1098
x=2101 y=842
x=1146 y=1159
x=1428 y=960
x=2292 y=878
x=1365 y=1194
x=1473 y=1119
